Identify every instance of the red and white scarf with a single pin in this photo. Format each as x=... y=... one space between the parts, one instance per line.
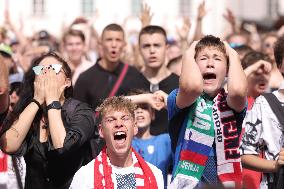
x=3 y=168
x=144 y=176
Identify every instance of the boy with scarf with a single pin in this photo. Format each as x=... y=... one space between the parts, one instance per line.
x=205 y=121
x=118 y=165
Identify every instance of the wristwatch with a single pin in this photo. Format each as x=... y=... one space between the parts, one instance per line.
x=54 y=105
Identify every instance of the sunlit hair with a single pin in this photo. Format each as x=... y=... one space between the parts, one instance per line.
x=27 y=93
x=210 y=41
x=116 y=103
x=152 y=29
x=113 y=27
x=73 y=32
x=279 y=51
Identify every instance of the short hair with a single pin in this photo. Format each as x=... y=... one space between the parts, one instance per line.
x=252 y=57
x=279 y=51
x=116 y=103
x=113 y=27
x=151 y=29
x=210 y=41
x=73 y=32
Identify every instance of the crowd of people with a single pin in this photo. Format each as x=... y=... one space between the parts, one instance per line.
x=94 y=111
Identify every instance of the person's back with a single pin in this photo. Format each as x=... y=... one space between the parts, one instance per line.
x=206 y=142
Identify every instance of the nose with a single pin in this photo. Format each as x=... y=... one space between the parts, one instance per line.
x=119 y=123
x=210 y=63
x=113 y=43
x=152 y=49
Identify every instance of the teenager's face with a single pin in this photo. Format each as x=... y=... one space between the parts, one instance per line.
x=118 y=128
x=74 y=47
x=258 y=83
x=153 y=49
x=268 y=46
x=112 y=45
x=144 y=116
x=213 y=67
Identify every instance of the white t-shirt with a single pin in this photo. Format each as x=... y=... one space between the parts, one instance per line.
x=124 y=177
x=8 y=179
x=262 y=127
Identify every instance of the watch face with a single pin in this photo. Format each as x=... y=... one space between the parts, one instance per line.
x=54 y=105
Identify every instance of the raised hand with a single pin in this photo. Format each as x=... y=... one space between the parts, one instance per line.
x=201 y=11
x=146 y=15
x=184 y=30
x=230 y=17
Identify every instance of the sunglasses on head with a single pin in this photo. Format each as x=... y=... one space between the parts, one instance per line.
x=38 y=69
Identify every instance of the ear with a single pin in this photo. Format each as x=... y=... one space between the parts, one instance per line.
x=68 y=82
x=100 y=128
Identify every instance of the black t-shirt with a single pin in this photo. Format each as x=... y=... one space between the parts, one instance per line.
x=95 y=84
x=160 y=124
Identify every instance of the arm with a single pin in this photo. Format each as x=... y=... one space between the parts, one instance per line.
x=189 y=87
x=256 y=163
x=260 y=66
x=237 y=83
x=4 y=86
x=183 y=34
x=200 y=15
x=53 y=92
x=12 y=139
x=149 y=98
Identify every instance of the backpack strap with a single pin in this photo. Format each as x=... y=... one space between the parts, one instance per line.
x=276 y=107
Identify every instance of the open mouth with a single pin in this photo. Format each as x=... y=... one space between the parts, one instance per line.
x=120 y=136
x=208 y=76
x=140 y=118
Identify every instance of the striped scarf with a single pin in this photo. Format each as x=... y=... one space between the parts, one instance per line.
x=3 y=168
x=209 y=121
x=144 y=176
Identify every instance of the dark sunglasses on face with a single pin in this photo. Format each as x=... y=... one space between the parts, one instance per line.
x=38 y=69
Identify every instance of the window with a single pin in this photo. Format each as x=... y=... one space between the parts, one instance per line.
x=184 y=7
x=87 y=7
x=38 y=7
x=136 y=7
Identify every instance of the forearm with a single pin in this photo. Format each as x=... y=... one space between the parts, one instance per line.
x=198 y=30
x=237 y=82
x=256 y=163
x=140 y=98
x=189 y=87
x=56 y=127
x=4 y=87
x=12 y=139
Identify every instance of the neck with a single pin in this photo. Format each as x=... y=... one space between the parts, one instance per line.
x=121 y=160
x=144 y=133
x=109 y=66
x=155 y=75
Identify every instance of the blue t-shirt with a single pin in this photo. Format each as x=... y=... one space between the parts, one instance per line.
x=210 y=171
x=155 y=150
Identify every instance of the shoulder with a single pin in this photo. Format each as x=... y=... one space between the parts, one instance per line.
x=84 y=177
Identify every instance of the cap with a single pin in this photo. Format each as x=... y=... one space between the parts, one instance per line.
x=6 y=50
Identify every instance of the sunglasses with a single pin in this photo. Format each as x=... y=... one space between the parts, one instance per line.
x=38 y=69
